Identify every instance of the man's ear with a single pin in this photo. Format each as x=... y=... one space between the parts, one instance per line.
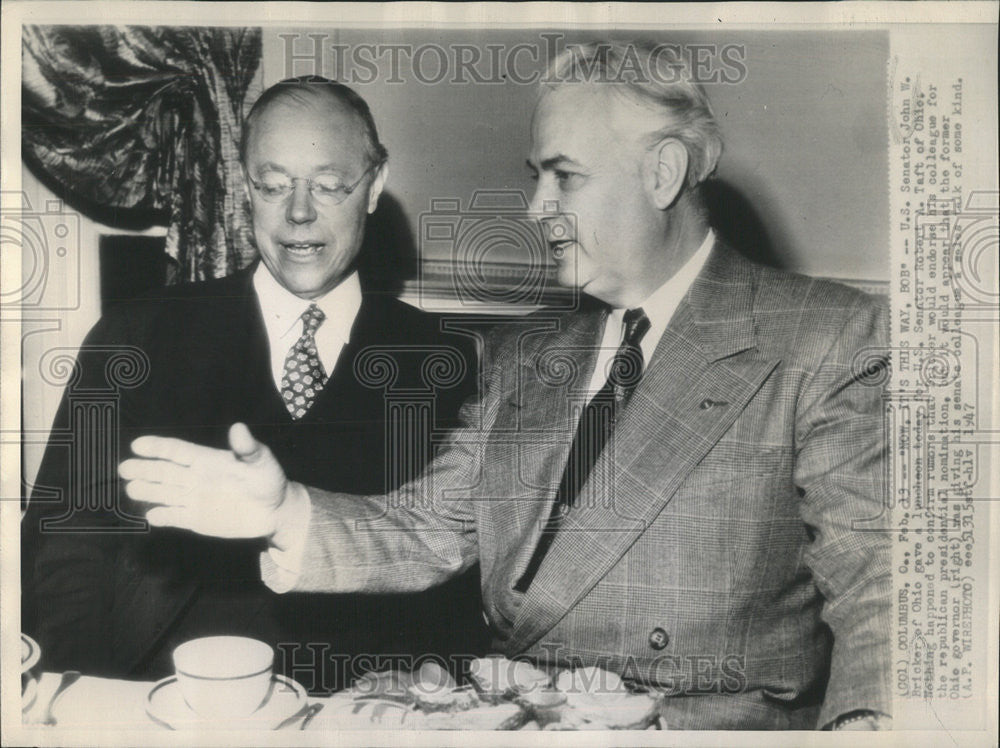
x=669 y=172
x=381 y=174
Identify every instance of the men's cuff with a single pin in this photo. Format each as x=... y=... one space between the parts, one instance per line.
x=281 y=564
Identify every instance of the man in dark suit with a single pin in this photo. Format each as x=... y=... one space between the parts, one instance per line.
x=683 y=484
x=290 y=346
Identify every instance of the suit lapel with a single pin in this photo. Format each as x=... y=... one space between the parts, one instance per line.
x=339 y=396
x=550 y=388
x=344 y=397
x=695 y=386
x=342 y=380
x=260 y=393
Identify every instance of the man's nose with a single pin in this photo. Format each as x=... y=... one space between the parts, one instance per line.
x=544 y=203
x=537 y=200
x=300 y=204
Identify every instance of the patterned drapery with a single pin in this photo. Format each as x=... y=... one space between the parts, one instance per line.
x=147 y=118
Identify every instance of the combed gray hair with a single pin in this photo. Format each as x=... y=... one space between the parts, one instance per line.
x=635 y=71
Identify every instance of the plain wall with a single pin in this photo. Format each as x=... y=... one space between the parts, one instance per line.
x=804 y=174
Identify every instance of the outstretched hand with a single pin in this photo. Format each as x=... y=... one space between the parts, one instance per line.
x=234 y=493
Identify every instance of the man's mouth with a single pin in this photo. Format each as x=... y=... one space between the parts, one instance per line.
x=302 y=249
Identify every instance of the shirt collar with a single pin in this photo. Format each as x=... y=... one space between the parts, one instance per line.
x=281 y=309
x=660 y=305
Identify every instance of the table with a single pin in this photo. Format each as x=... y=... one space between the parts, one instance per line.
x=102 y=703
x=106 y=704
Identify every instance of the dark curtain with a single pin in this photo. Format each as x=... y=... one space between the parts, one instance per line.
x=146 y=118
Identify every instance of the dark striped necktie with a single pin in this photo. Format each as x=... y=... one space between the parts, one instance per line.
x=597 y=422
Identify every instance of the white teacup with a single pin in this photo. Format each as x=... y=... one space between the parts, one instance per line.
x=224 y=677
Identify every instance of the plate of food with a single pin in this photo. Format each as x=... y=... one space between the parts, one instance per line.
x=587 y=698
x=425 y=699
x=499 y=694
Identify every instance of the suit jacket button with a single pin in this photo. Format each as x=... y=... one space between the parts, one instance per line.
x=658 y=638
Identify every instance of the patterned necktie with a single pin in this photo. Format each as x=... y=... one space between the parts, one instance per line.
x=303 y=377
x=597 y=421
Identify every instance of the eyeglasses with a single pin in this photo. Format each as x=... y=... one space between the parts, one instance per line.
x=326 y=189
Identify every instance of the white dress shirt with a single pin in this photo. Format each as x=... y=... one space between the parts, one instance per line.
x=282 y=312
x=659 y=307
x=284 y=557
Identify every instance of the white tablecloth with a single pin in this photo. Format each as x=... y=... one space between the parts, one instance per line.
x=108 y=704
x=119 y=706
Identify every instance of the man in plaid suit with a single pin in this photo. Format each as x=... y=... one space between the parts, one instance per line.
x=723 y=542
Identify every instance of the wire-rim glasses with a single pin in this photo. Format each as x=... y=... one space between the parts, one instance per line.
x=326 y=189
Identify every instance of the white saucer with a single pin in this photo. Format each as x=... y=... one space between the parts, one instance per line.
x=30 y=652
x=166 y=706
x=29 y=695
